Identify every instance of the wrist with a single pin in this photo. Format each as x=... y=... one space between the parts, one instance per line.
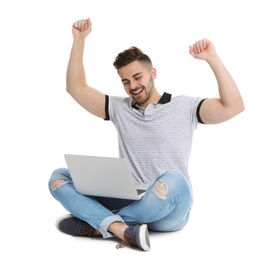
x=213 y=59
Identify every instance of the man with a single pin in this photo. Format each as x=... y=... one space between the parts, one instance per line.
x=155 y=135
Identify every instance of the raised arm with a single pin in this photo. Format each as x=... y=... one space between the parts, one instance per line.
x=229 y=103
x=89 y=98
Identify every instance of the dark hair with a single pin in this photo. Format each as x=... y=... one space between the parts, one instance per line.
x=130 y=55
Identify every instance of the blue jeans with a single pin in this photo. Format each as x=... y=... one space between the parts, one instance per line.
x=161 y=213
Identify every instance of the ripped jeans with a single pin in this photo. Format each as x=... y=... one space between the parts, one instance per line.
x=165 y=207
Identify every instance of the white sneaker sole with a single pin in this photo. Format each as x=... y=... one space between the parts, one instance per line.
x=143 y=234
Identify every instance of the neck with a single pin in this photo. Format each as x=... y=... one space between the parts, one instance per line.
x=154 y=98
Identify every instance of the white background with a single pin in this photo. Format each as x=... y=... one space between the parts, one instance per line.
x=231 y=166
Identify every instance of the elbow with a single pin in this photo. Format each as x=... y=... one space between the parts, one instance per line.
x=69 y=86
x=74 y=89
x=234 y=110
x=68 y=89
x=241 y=107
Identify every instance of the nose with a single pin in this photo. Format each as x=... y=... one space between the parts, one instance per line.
x=133 y=84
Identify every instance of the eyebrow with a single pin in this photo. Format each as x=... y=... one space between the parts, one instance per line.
x=133 y=76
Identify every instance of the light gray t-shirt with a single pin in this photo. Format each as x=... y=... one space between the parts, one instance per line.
x=156 y=138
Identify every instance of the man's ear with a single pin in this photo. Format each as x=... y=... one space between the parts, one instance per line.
x=153 y=73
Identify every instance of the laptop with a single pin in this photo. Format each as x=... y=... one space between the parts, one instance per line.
x=104 y=177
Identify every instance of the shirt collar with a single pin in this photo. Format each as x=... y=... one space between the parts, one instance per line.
x=166 y=98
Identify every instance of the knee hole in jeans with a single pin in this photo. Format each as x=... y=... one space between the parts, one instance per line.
x=160 y=190
x=58 y=183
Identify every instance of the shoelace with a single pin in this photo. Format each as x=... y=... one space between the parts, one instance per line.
x=128 y=240
x=88 y=231
x=123 y=244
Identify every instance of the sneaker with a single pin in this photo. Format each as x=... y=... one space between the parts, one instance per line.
x=137 y=236
x=76 y=227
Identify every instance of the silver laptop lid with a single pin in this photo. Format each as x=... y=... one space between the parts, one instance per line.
x=102 y=176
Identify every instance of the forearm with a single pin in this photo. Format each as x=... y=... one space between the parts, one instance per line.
x=229 y=94
x=75 y=76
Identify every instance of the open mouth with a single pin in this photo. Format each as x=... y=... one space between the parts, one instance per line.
x=136 y=91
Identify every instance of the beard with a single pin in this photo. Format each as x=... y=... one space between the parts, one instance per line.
x=146 y=93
